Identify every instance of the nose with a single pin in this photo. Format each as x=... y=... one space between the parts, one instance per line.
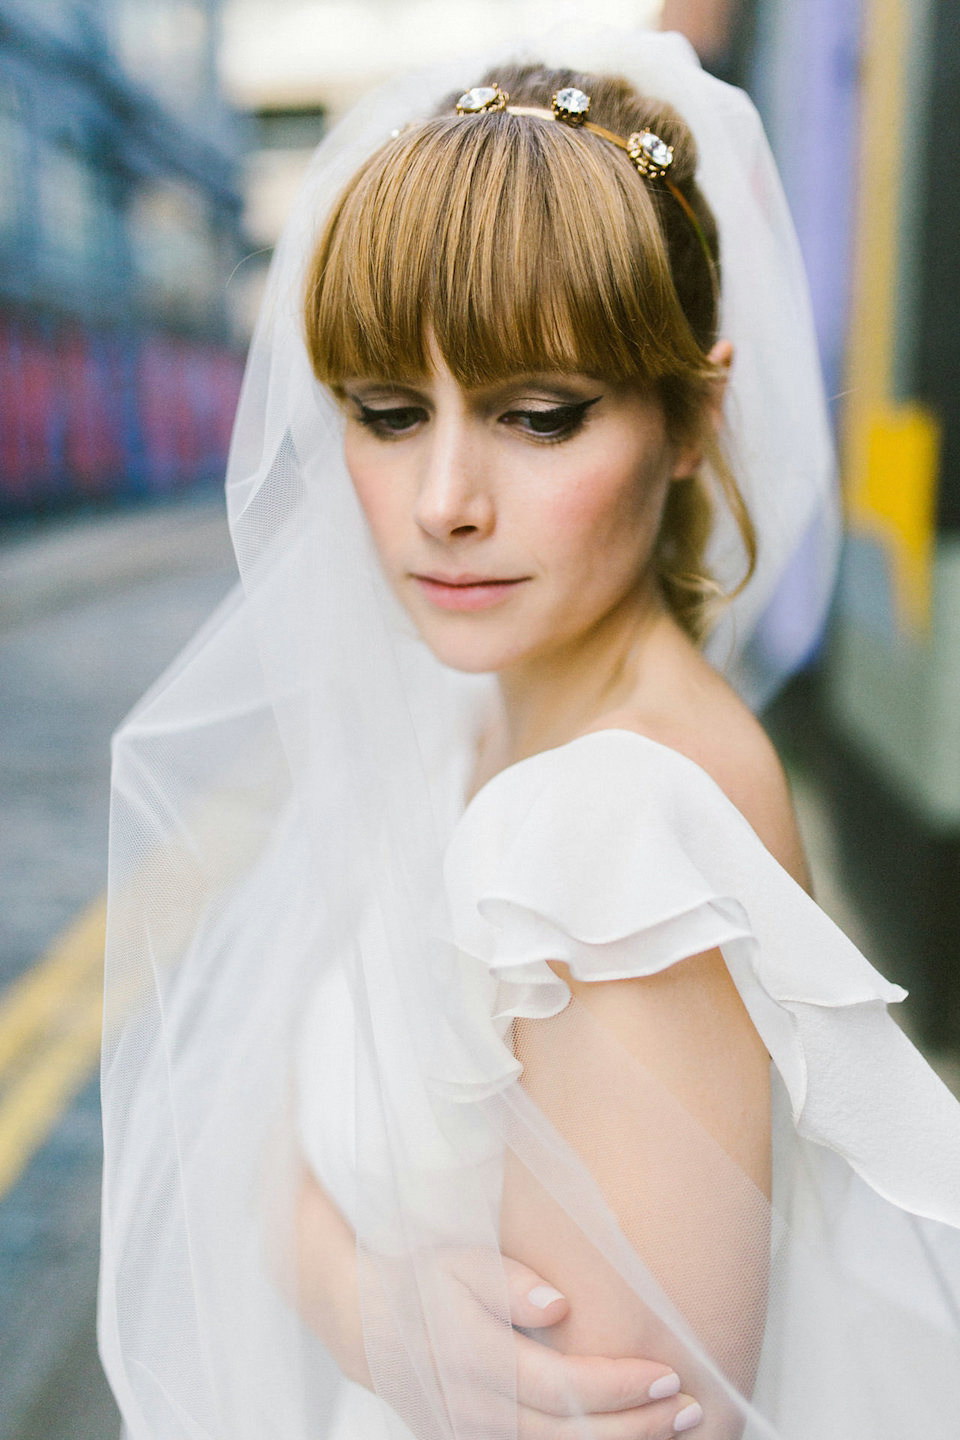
x=453 y=496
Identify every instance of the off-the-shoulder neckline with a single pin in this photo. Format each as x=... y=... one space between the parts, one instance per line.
x=702 y=777
x=646 y=740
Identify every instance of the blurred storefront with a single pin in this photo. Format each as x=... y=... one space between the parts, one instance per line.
x=119 y=225
x=862 y=103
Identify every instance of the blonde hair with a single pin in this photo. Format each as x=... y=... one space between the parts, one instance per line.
x=524 y=245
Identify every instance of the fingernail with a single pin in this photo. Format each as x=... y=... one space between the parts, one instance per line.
x=686 y=1418
x=665 y=1386
x=544 y=1295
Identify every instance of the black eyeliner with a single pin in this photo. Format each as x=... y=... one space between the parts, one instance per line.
x=566 y=417
x=373 y=415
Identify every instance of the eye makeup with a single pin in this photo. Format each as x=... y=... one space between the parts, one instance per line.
x=545 y=422
x=389 y=420
x=555 y=422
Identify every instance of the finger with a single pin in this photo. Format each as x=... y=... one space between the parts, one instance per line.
x=659 y=1421
x=534 y=1304
x=587 y=1384
x=480 y=1415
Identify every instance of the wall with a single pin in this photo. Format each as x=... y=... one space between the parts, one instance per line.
x=119 y=227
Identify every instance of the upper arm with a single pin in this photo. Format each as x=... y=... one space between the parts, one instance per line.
x=688 y=1028
x=660 y=1085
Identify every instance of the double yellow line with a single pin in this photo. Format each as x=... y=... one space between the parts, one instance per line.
x=50 y=1025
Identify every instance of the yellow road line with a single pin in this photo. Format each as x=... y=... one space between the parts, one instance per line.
x=50 y=1025
x=31 y=1005
x=33 y=1105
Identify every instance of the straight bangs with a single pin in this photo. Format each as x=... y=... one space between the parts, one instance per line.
x=521 y=246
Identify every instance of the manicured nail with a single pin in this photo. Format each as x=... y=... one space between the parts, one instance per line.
x=686 y=1418
x=544 y=1295
x=667 y=1385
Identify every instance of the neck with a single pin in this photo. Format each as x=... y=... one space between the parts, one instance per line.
x=548 y=699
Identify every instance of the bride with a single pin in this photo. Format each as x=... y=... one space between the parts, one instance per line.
x=477 y=1061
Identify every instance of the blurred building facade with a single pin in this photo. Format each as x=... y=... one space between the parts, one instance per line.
x=862 y=103
x=119 y=225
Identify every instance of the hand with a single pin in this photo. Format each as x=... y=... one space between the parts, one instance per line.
x=558 y=1395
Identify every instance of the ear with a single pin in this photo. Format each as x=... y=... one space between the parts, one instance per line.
x=720 y=356
x=689 y=456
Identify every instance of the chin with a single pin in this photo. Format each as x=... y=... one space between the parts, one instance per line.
x=470 y=650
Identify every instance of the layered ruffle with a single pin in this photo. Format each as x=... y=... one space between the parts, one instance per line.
x=619 y=857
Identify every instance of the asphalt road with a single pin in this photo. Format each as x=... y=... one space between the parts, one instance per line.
x=90 y=613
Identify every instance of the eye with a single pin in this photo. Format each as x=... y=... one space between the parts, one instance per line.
x=559 y=422
x=392 y=420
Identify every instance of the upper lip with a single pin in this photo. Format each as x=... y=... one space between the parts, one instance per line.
x=466 y=578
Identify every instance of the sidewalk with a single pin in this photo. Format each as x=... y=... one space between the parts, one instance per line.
x=53 y=566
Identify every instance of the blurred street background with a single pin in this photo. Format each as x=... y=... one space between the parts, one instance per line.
x=148 y=152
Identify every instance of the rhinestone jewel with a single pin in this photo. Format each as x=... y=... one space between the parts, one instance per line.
x=651 y=155
x=571 y=105
x=481 y=97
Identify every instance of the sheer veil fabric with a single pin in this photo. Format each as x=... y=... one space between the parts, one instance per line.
x=319 y=955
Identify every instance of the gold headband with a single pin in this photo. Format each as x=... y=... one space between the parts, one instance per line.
x=651 y=156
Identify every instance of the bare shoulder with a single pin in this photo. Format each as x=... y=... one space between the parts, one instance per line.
x=723 y=736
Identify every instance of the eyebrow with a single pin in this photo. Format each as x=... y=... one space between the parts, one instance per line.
x=558 y=381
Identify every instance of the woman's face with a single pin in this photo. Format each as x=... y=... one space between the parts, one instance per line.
x=509 y=520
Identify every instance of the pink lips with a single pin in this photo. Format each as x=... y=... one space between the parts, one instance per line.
x=465 y=592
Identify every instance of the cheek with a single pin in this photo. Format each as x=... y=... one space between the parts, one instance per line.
x=604 y=524
x=379 y=494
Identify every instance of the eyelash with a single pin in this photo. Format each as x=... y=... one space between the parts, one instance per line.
x=378 y=420
x=563 y=421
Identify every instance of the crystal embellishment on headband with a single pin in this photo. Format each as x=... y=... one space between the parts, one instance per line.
x=480 y=98
x=571 y=105
x=651 y=155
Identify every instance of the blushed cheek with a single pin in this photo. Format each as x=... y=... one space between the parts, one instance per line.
x=605 y=530
x=376 y=503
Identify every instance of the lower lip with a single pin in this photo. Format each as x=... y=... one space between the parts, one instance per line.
x=467 y=597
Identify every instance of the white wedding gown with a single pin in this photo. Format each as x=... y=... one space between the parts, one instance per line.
x=619 y=857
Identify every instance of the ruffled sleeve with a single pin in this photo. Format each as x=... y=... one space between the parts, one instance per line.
x=619 y=857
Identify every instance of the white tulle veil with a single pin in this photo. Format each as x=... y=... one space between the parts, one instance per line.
x=282 y=803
